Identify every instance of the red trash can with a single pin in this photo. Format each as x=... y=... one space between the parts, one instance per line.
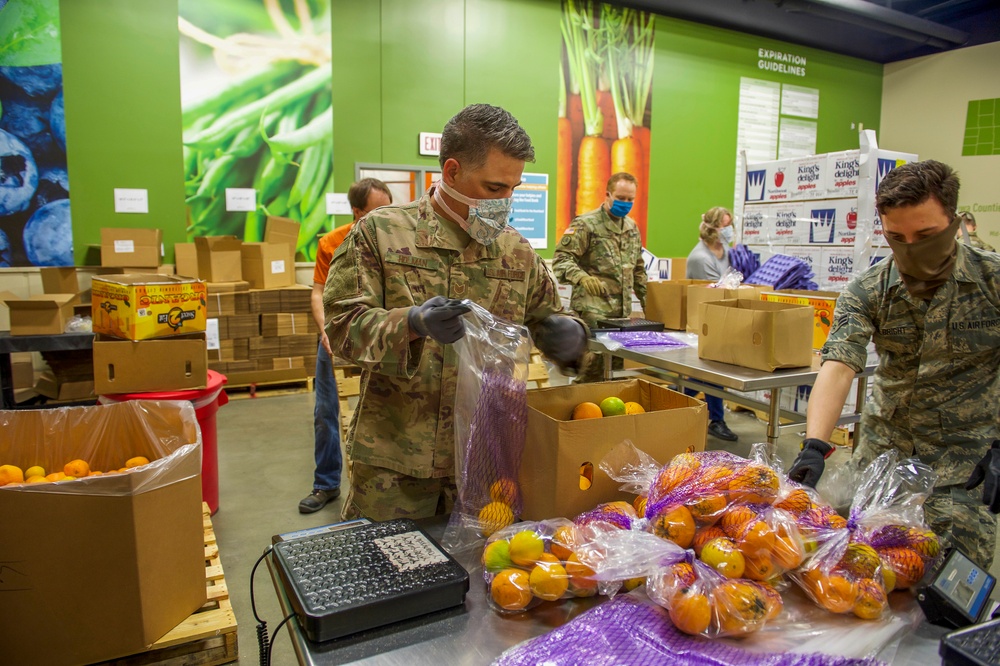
x=206 y=403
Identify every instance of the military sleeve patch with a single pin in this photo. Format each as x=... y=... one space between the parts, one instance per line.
x=410 y=260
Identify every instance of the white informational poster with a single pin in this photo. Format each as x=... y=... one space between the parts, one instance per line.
x=529 y=214
x=797 y=138
x=799 y=101
x=757 y=127
x=131 y=200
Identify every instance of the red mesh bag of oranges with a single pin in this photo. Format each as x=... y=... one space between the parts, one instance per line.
x=883 y=545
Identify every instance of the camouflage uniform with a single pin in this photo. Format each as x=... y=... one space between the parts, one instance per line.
x=395 y=258
x=976 y=241
x=937 y=385
x=597 y=245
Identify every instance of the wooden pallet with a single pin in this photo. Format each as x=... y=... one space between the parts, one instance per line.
x=269 y=389
x=208 y=636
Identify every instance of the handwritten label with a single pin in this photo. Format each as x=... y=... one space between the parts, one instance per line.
x=131 y=200
x=278 y=266
x=241 y=199
x=124 y=246
x=337 y=204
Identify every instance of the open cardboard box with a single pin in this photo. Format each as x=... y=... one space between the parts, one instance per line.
x=100 y=567
x=703 y=293
x=160 y=364
x=666 y=301
x=756 y=334
x=135 y=248
x=42 y=314
x=556 y=446
x=140 y=307
x=219 y=258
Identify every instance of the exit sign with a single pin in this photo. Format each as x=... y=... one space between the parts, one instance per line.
x=430 y=143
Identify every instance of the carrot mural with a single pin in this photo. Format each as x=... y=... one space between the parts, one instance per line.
x=608 y=56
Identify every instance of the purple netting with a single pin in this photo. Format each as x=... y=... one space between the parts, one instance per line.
x=618 y=514
x=645 y=340
x=743 y=260
x=629 y=632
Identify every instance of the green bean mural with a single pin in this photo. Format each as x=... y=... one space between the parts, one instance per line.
x=256 y=91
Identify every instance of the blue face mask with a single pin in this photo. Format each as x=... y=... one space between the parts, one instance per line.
x=727 y=234
x=620 y=208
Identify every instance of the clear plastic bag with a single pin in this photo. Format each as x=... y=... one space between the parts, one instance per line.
x=105 y=437
x=731 y=279
x=491 y=414
x=884 y=545
x=78 y=324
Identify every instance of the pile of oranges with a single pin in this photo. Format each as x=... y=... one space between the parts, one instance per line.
x=610 y=406
x=71 y=471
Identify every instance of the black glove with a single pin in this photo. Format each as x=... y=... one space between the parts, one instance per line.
x=988 y=470
x=438 y=318
x=808 y=467
x=562 y=339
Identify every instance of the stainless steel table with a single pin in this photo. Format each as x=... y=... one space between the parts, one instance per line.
x=683 y=367
x=474 y=634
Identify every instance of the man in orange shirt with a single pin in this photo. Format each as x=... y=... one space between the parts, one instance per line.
x=364 y=196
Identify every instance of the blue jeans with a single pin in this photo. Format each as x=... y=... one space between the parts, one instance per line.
x=326 y=421
x=716 y=410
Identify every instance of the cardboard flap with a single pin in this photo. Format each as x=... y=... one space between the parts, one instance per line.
x=42 y=302
x=131 y=279
x=282 y=230
x=218 y=243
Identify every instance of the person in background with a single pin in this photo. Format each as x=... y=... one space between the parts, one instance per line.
x=709 y=260
x=600 y=254
x=969 y=222
x=392 y=306
x=364 y=196
x=933 y=311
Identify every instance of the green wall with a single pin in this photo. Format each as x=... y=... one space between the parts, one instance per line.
x=402 y=67
x=121 y=84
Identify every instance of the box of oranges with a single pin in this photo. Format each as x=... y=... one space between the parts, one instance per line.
x=571 y=428
x=102 y=546
x=141 y=307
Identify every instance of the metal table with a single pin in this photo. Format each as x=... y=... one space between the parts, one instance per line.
x=683 y=367
x=474 y=634
x=32 y=343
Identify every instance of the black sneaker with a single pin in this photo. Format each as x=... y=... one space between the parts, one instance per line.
x=317 y=500
x=721 y=430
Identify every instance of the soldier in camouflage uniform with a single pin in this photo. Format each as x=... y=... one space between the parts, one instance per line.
x=969 y=221
x=933 y=311
x=601 y=256
x=387 y=310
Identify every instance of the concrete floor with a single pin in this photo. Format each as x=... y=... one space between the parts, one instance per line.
x=266 y=467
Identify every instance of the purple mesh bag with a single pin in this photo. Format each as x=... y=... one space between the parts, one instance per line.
x=627 y=632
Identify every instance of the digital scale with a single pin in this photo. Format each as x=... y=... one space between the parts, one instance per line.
x=358 y=575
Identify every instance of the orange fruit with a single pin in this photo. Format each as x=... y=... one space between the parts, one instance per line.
x=494 y=517
x=835 y=593
x=96 y=474
x=796 y=502
x=788 y=552
x=563 y=541
x=11 y=474
x=723 y=556
x=707 y=508
x=735 y=521
x=680 y=576
x=925 y=542
x=889 y=578
x=511 y=589
x=775 y=604
x=78 y=468
x=758 y=567
x=136 y=461
x=714 y=478
x=582 y=579
x=871 y=601
x=675 y=525
x=859 y=561
x=754 y=484
x=496 y=556
x=704 y=536
x=634 y=408
x=34 y=470
x=525 y=548
x=548 y=580
x=639 y=504
x=690 y=612
x=504 y=490
x=633 y=583
x=686 y=460
x=837 y=522
x=758 y=537
x=36 y=479
x=906 y=563
x=612 y=406
x=740 y=607
x=587 y=410
x=669 y=479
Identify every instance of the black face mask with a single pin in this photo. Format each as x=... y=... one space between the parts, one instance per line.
x=926 y=264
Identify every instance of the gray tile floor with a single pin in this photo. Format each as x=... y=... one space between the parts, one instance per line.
x=266 y=465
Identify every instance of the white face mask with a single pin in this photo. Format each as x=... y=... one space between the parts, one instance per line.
x=727 y=234
x=487 y=217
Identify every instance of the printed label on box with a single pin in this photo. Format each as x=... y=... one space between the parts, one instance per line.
x=836 y=268
x=811 y=255
x=845 y=231
x=212 y=333
x=842 y=174
x=790 y=226
x=124 y=246
x=754 y=230
x=278 y=266
x=768 y=181
x=809 y=177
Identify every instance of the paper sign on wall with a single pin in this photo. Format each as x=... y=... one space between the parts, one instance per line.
x=129 y=200
x=212 y=333
x=241 y=199
x=337 y=204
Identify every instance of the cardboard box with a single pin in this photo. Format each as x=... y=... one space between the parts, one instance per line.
x=141 y=307
x=238 y=378
x=228 y=298
x=282 y=363
x=557 y=446
x=239 y=326
x=59 y=280
x=264 y=301
x=53 y=387
x=281 y=230
x=186 y=259
x=264 y=348
x=756 y=334
x=137 y=248
x=298 y=345
x=287 y=323
x=296 y=299
x=266 y=265
x=666 y=301
x=114 y=563
x=219 y=258
x=22 y=370
x=160 y=364
x=45 y=314
x=701 y=293
x=822 y=303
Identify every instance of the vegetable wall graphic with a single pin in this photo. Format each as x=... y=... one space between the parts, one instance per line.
x=606 y=76
x=256 y=92
x=35 y=227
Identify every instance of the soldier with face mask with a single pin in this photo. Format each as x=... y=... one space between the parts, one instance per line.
x=393 y=305
x=933 y=311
